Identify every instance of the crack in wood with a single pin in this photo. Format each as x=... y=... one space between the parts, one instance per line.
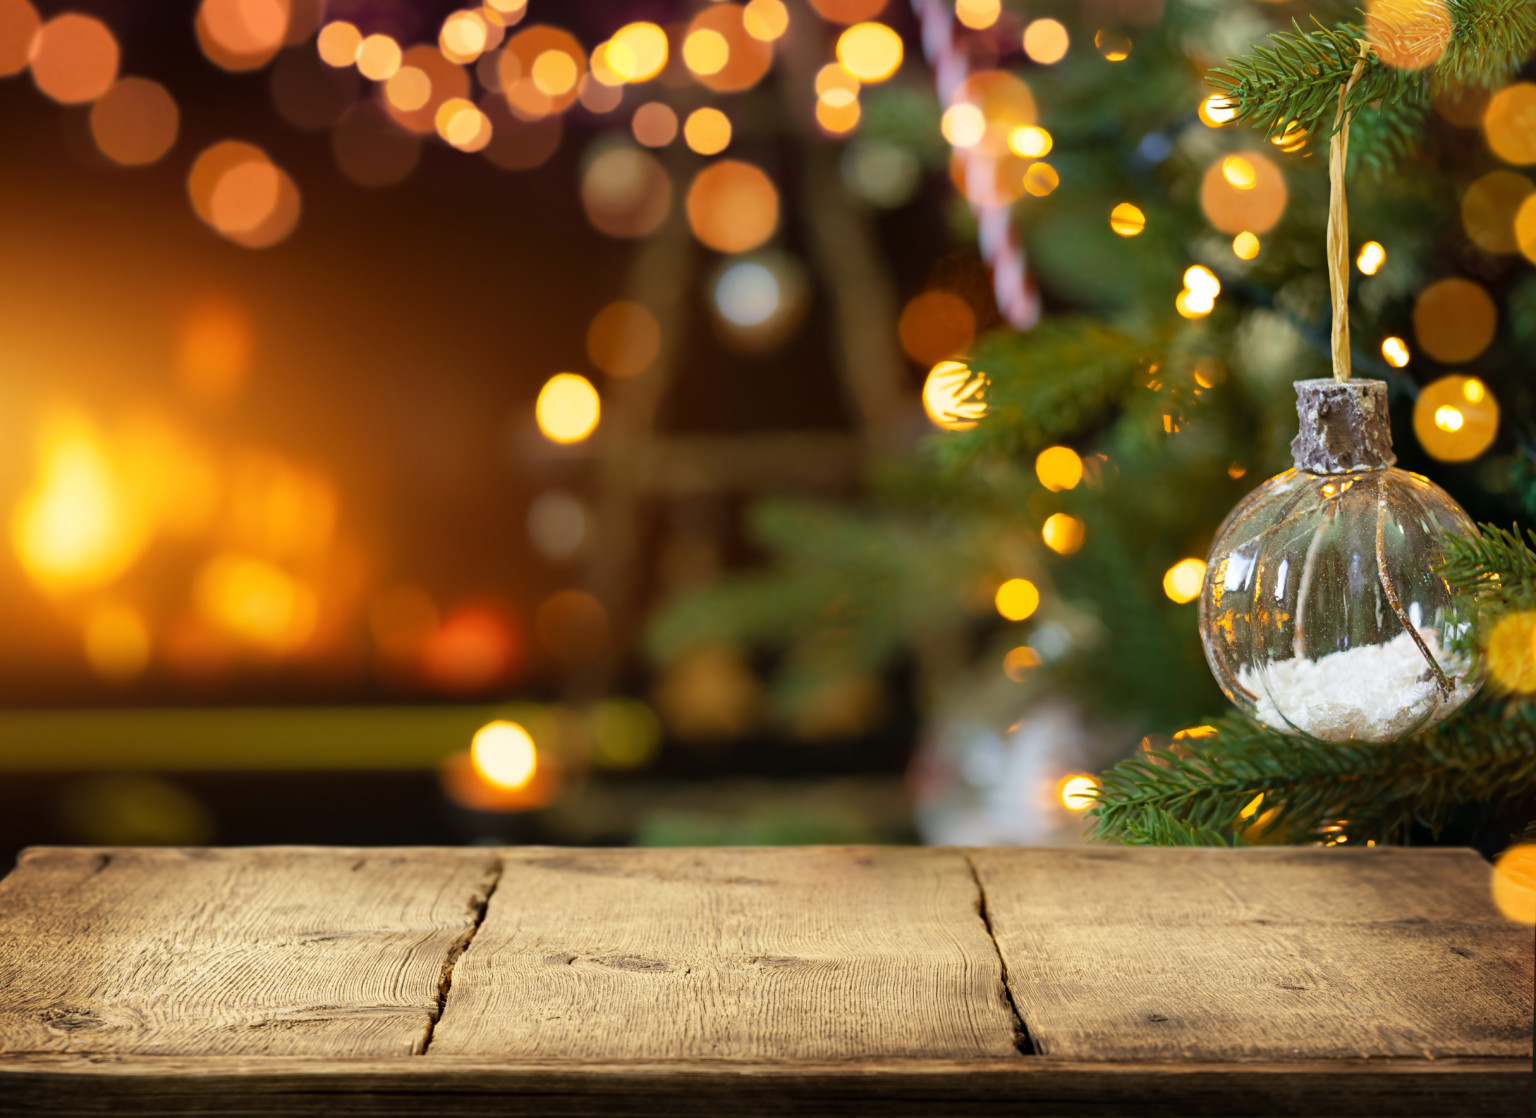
x=1021 y=1038
x=478 y=906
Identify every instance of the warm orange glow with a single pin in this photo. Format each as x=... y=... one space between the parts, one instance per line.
x=1016 y=599
x=74 y=58
x=626 y=192
x=1030 y=141
x=765 y=20
x=835 y=83
x=838 y=118
x=338 y=43
x=963 y=125
x=654 y=124
x=409 y=89
x=646 y=47
x=707 y=131
x=1076 y=792
x=624 y=339
x=1245 y=246
x=732 y=206
x=1395 y=350
x=1058 y=468
x=848 y=11
x=1512 y=652
x=871 y=52
x=242 y=34
x=1455 y=418
x=463 y=125
x=1114 y=47
x=978 y=14
x=1371 y=257
x=75 y=528
x=256 y=601
x=1514 y=883
x=535 y=79
x=236 y=189
x=1046 y=41
x=19 y=22
x=554 y=73
x=1127 y=220
x=1182 y=581
x=135 y=122
x=1040 y=179
x=1490 y=207
x=936 y=325
x=705 y=51
x=378 y=57
x=953 y=397
x=1408 y=34
x=472 y=650
x=1215 y=111
x=117 y=642
x=1243 y=193
x=1509 y=123
x=1063 y=534
x=444 y=82
x=214 y=349
x=568 y=408
x=1017 y=662
x=504 y=755
x=465 y=35
x=1454 y=320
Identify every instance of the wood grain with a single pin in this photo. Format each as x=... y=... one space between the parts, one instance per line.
x=1038 y=1088
x=269 y=951
x=1122 y=954
x=807 y=953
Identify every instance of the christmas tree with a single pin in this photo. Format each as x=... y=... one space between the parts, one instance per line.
x=1049 y=544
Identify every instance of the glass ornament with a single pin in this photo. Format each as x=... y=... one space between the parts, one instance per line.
x=1321 y=612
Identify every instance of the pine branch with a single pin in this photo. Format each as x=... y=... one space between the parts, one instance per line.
x=1496 y=572
x=1490 y=41
x=1374 y=792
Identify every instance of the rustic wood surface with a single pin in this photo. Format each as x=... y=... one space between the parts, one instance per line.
x=792 y=981
x=808 y=953
x=249 y=952
x=1221 y=954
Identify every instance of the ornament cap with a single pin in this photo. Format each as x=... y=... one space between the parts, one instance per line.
x=1344 y=426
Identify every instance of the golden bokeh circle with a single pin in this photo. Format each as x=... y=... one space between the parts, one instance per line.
x=1509 y=123
x=1512 y=652
x=1489 y=206
x=1455 y=418
x=1254 y=203
x=1454 y=320
x=733 y=206
x=135 y=122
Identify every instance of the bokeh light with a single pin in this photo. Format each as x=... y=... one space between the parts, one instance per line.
x=1018 y=662
x=256 y=601
x=1059 y=468
x=1046 y=41
x=338 y=43
x=1395 y=351
x=461 y=123
x=707 y=131
x=978 y=15
x=74 y=58
x=871 y=52
x=1127 y=220
x=135 y=122
x=1245 y=246
x=646 y=47
x=953 y=397
x=557 y=525
x=626 y=192
x=848 y=11
x=568 y=408
x=464 y=36
x=936 y=325
x=1076 y=792
x=1182 y=581
x=473 y=650
x=1370 y=258
x=1511 y=652
x=1509 y=123
x=19 y=22
x=1488 y=210
x=747 y=294
x=1514 y=883
x=836 y=118
x=310 y=95
x=215 y=347
x=963 y=125
x=1016 y=599
x=572 y=626
x=654 y=124
x=744 y=59
x=540 y=70
x=766 y=20
x=732 y=206
x=378 y=57
x=1454 y=320
x=1216 y=111
x=503 y=754
x=242 y=194
x=1408 y=34
x=1041 y=179
x=1243 y=193
x=1031 y=141
x=1113 y=46
x=117 y=642
x=1063 y=534
x=408 y=89
x=445 y=82
x=1455 y=418
x=1525 y=229
x=624 y=338
x=242 y=34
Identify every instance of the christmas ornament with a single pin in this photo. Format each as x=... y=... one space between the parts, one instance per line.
x=1321 y=612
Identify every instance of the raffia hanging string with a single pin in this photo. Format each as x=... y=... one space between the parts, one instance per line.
x=1338 y=225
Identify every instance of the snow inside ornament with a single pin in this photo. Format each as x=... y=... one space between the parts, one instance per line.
x=1321 y=612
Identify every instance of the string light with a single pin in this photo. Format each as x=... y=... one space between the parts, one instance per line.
x=1030 y=141
x=1182 y=581
x=1058 y=468
x=1063 y=534
x=1371 y=257
x=503 y=754
x=1046 y=41
x=1017 y=599
x=1076 y=792
x=1395 y=351
x=1245 y=246
x=707 y=131
x=978 y=15
x=1215 y=111
x=963 y=125
x=871 y=52
x=1127 y=220
x=568 y=408
x=953 y=397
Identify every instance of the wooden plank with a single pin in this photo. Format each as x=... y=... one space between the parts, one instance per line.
x=805 y=953
x=1040 y=1088
x=277 y=951
x=1134 y=954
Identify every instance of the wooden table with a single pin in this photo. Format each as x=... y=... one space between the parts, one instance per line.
x=831 y=980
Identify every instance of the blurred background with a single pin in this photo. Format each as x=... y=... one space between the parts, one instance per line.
x=521 y=423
